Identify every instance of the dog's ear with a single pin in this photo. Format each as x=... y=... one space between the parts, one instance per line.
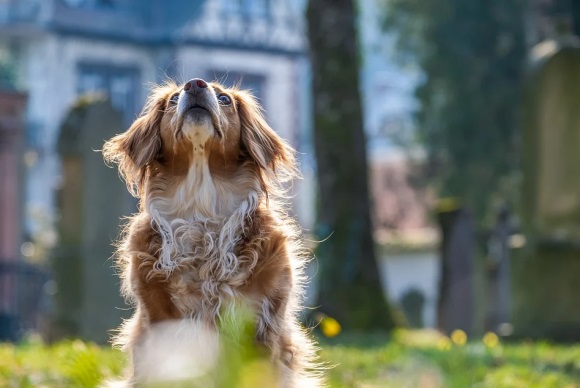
x=134 y=149
x=260 y=142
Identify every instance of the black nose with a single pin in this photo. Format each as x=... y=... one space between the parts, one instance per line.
x=195 y=84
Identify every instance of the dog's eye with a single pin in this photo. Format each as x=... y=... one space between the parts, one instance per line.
x=174 y=99
x=224 y=99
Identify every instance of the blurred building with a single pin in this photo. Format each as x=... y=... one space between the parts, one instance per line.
x=65 y=48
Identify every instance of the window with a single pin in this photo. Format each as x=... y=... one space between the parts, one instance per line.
x=119 y=83
x=232 y=7
x=258 y=8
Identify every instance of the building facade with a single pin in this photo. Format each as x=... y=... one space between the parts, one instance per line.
x=65 y=48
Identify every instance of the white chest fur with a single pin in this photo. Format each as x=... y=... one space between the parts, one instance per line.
x=200 y=227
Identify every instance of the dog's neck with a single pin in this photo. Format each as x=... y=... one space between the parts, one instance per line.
x=202 y=202
x=201 y=195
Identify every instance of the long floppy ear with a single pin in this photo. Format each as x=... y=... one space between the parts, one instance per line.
x=134 y=149
x=262 y=144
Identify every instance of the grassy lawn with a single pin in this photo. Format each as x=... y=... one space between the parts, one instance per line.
x=408 y=359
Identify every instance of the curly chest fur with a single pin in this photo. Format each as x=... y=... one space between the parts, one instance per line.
x=210 y=267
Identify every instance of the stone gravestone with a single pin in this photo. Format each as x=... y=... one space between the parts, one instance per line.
x=455 y=305
x=498 y=317
x=546 y=272
x=12 y=107
x=91 y=202
x=413 y=303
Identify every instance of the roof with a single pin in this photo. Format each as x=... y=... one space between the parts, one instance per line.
x=275 y=26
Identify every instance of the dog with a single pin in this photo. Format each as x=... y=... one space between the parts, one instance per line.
x=212 y=232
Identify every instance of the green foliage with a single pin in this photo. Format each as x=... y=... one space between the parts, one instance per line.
x=66 y=364
x=406 y=359
x=426 y=359
x=471 y=54
x=248 y=364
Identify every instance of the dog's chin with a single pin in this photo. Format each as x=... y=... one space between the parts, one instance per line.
x=197 y=115
x=198 y=128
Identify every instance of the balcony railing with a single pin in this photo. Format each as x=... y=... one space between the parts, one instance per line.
x=21 y=11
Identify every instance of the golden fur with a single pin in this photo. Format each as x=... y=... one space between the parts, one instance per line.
x=212 y=231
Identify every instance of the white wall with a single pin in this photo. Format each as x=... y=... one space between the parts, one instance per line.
x=402 y=272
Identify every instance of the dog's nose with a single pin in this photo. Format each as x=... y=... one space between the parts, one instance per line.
x=194 y=84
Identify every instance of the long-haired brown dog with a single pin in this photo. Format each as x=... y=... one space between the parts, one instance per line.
x=212 y=232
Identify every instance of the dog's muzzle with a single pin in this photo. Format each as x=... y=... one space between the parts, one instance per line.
x=198 y=103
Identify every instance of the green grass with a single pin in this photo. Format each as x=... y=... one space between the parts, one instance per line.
x=66 y=364
x=407 y=359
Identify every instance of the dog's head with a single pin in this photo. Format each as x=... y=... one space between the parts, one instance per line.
x=182 y=124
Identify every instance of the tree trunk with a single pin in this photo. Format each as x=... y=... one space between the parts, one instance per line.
x=350 y=286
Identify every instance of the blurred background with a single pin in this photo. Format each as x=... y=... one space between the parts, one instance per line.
x=454 y=142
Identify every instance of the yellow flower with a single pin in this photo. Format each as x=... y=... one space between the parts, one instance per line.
x=444 y=343
x=491 y=340
x=459 y=337
x=330 y=326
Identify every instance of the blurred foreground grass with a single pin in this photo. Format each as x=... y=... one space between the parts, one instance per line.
x=407 y=359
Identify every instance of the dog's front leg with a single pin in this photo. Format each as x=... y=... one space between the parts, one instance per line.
x=272 y=325
x=154 y=306
x=275 y=288
x=279 y=330
x=273 y=333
